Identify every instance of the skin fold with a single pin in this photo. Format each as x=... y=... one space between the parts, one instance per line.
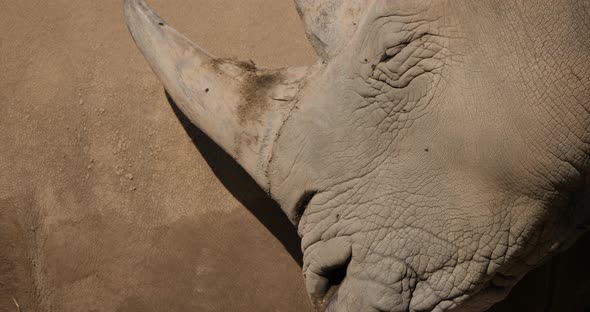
x=437 y=152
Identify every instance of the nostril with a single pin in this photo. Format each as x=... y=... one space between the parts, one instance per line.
x=302 y=204
x=327 y=270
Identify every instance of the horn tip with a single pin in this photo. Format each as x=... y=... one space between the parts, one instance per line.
x=135 y=6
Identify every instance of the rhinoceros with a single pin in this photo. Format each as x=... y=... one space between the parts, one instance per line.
x=437 y=151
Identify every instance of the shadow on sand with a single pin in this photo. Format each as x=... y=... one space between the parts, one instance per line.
x=243 y=187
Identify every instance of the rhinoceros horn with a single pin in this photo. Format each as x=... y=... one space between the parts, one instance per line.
x=239 y=106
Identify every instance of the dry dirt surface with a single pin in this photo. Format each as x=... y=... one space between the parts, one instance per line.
x=111 y=201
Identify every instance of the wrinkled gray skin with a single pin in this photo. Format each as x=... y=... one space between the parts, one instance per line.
x=438 y=152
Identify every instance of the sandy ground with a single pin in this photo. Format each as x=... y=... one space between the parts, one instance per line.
x=109 y=203
x=106 y=204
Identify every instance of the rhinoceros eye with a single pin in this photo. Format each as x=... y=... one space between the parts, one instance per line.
x=399 y=64
x=391 y=52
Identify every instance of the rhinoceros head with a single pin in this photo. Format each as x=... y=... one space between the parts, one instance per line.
x=436 y=152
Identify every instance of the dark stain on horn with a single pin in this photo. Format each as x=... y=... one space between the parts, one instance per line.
x=255 y=86
x=255 y=90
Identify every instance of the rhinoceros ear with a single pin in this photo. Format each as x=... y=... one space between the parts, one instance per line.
x=329 y=24
x=237 y=105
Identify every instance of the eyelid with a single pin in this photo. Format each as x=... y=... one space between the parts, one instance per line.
x=392 y=52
